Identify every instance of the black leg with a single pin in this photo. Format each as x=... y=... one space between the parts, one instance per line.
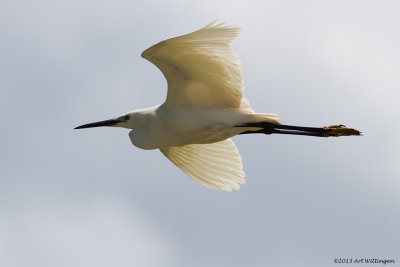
x=272 y=128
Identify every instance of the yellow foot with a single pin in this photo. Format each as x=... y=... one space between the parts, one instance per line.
x=340 y=130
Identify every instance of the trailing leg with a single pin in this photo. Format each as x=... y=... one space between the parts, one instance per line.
x=272 y=128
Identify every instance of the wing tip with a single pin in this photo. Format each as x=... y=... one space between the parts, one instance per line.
x=218 y=24
x=146 y=54
x=229 y=186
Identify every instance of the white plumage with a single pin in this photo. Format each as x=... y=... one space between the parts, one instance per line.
x=204 y=105
x=201 y=68
x=217 y=165
x=204 y=108
x=203 y=71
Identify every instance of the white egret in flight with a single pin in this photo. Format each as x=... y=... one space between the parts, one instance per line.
x=204 y=108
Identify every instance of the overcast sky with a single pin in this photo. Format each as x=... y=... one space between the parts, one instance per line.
x=89 y=198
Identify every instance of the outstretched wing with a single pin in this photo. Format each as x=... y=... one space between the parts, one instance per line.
x=200 y=67
x=217 y=165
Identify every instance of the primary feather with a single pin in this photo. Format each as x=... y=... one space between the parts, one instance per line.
x=217 y=165
x=201 y=68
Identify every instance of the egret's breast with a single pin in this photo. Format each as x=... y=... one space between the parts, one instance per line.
x=143 y=140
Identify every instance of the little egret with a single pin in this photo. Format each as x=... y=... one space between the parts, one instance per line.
x=204 y=108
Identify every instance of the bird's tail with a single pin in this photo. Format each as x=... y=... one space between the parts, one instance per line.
x=264 y=117
x=268 y=127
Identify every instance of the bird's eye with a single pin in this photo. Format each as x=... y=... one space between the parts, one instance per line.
x=126 y=117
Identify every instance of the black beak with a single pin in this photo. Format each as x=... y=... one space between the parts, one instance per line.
x=98 y=124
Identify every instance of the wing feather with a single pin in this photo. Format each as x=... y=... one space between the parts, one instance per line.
x=217 y=165
x=201 y=68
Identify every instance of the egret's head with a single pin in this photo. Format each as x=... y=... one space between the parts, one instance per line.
x=126 y=121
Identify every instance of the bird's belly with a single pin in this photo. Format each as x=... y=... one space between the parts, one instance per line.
x=175 y=137
x=183 y=126
x=209 y=134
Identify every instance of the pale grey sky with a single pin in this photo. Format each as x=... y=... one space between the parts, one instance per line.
x=89 y=198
